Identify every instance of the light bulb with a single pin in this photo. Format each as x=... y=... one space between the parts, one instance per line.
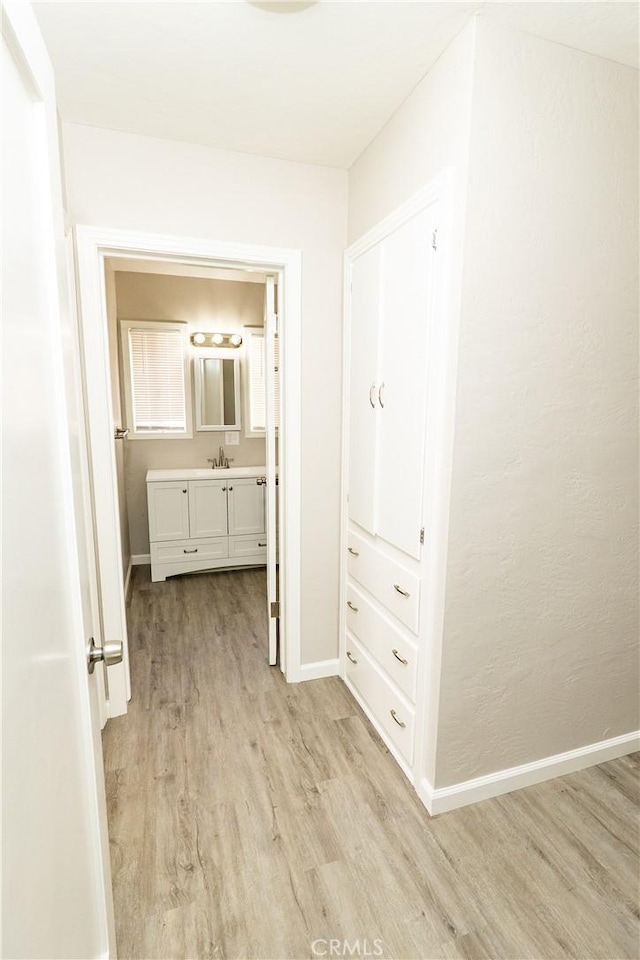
x=217 y=338
x=235 y=339
x=199 y=338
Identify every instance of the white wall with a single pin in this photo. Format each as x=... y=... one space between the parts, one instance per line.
x=428 y=132
x=161 y=186
x=541 y=626
x=540 y=644
x=208 y=305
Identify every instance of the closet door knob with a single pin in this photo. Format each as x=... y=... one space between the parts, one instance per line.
x=351 y=657
x=398 y=657
x=380 y=397
x=351 y=606
x=354 y=553
x=185 y=490
x=372 y=395
x=398 y=589
x=224 y=489
x=400 y=723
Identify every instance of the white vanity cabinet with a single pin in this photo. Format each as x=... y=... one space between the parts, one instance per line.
x=200 y=522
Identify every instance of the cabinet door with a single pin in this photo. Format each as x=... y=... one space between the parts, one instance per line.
x=168 y=503
x=207 y=508
x=363 y=402
x=407 y=281
x=246 y=507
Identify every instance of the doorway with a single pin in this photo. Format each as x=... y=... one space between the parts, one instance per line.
x=101 y=256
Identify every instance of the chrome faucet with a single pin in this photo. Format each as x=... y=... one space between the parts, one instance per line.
x=222 y=462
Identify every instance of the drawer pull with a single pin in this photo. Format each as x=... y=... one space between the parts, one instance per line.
x=400 y=723
x=351 y=657
x=398 y=657
x=351 y=606
x=354 y=553
x=261 y=544
x=195 y=550
x=399 y=590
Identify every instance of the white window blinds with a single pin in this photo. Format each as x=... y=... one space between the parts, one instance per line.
x=157 y=390
x=258 y=383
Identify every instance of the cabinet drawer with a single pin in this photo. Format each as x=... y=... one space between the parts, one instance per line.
x=391 y=648
x=248 y=547
x=190 y=550
x=389 y=582
x=389 y=708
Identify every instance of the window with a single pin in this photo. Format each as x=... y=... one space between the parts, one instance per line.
x=157 y=389
x=256 y=383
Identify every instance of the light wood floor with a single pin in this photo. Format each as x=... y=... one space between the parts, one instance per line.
x=249 y=817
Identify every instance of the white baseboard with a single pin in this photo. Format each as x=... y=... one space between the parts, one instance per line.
x=127 y=580
x=442 y=799
x=138 y=559
x=318 y=670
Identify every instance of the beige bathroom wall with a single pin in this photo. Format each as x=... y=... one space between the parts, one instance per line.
x=540 y=647
x=162 y=186
x=208 y=305
x=119 y=445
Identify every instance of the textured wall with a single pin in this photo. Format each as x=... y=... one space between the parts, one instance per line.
x=540 y=646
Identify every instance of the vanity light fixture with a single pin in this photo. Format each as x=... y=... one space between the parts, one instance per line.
x=216 y=339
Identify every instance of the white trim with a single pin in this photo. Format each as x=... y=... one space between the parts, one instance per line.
x=442 y=799
x=319 y=669
x=139 y=559
x=94 y=245
x=127 y=579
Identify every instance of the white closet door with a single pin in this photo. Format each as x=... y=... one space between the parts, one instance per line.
x=407 y=271
x=363 y=392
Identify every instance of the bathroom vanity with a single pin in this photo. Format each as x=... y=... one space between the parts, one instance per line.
x=203 y=519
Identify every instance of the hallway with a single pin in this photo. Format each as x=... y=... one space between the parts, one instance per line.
x=249 y=818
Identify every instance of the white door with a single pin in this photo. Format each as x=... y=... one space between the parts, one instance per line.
x=246 y=506
x=270 y=333
x=168 y=505
x=208 y=508
x=363 y=387
x=406 y=289
x=56 y=889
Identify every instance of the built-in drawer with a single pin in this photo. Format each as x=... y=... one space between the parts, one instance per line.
x=255 y=546
x=215 y=549
x=392 y=711
x=389 y=582
x=387 y=642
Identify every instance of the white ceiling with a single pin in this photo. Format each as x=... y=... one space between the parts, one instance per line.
x=314 y=85
x=167 y=268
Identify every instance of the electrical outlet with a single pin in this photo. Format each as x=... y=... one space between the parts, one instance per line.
x=232 y=438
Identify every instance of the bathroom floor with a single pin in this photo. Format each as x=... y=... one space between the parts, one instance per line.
x=254 y=819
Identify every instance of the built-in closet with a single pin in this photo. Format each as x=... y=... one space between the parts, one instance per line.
x=394 y=298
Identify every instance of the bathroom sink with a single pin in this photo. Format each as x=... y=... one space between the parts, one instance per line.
x=206 y=473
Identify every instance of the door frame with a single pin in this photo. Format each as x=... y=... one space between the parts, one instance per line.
x=94 y=244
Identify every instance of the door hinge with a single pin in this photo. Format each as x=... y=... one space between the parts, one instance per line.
x=275 y=610
x=434 y=239
x=422 y=535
